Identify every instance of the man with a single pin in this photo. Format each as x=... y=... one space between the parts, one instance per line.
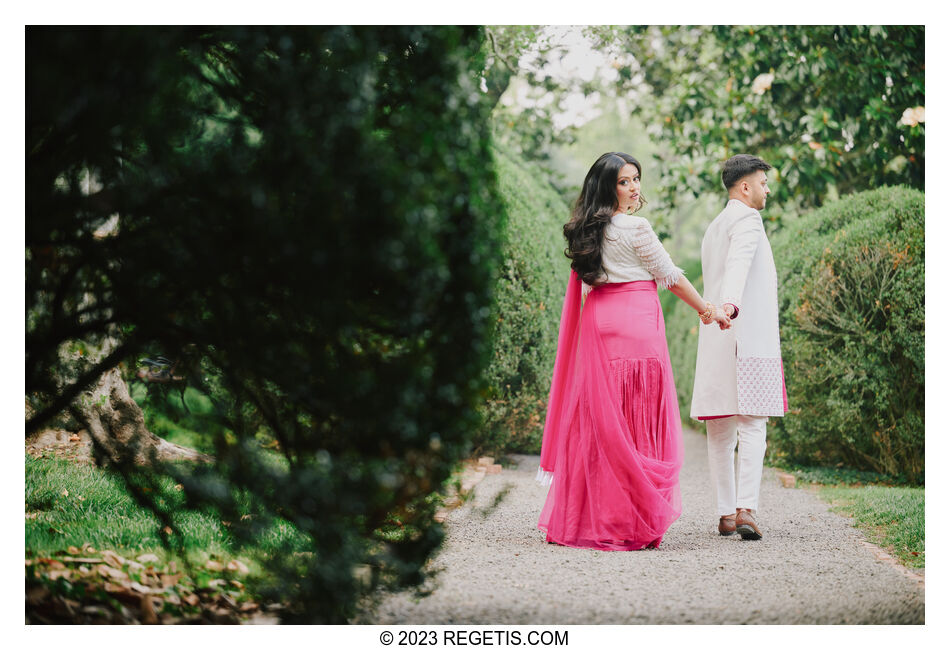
x=739 y=380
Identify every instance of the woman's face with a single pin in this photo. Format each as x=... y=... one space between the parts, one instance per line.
x=628 y=188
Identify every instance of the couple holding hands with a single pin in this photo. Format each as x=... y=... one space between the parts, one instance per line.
x=612 y=446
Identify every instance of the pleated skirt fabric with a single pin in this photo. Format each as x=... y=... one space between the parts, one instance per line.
x=619 y=451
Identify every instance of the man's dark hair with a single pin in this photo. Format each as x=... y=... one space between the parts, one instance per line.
x=740 y=166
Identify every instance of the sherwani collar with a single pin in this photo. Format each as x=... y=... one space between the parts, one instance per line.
x=738 y=203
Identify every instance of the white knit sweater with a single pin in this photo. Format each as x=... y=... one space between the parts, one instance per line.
x=632 y=251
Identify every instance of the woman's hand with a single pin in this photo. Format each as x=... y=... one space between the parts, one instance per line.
x=707 y=312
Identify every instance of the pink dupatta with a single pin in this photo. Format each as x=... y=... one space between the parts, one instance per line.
x=562 y=380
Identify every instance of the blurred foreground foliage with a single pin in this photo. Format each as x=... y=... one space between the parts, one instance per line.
x=307 y=219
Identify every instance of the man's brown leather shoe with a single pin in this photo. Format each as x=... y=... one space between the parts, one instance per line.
x=727 y=525
x=745 y=525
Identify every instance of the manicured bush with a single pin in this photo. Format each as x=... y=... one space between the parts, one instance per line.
x=851 y=299
x=528 y=298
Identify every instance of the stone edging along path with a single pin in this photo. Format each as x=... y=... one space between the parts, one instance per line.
x=812 y=566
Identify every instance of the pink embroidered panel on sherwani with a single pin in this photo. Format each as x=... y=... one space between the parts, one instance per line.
x=760 y=386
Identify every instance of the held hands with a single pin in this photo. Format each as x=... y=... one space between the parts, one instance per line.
x=720 y=317
x=716 y=314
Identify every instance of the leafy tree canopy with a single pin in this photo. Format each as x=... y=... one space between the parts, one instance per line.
x=834 y=109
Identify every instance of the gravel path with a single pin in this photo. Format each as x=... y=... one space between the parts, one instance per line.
x=811 y=566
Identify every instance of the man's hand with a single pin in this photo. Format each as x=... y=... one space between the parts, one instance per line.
x=723 y=319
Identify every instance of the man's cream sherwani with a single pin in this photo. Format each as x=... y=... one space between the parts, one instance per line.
x=739 y=370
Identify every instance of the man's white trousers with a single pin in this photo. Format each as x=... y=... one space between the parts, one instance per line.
x=721 y=437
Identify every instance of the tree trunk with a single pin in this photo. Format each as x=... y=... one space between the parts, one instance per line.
x=117 y=425
x=105 y=421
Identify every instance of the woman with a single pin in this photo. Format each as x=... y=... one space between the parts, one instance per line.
x=612 y=446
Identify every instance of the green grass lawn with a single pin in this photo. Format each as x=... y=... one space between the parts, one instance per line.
x=75 y=513
x=70 y=504
x=167 y=418
x=891 y=517
x=888 y=509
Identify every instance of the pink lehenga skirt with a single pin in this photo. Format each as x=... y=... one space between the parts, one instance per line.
x=613 y=438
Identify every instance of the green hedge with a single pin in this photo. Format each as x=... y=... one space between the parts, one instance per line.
x=851 y=299
x=529 y=296
x=682 y=336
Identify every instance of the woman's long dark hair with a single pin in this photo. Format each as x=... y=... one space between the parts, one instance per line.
x=595 y=206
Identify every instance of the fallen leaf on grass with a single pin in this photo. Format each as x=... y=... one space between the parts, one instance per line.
x=122 y=593
x=150 y=595
x=113 y=573
x=227 y=600
x=170 y=579
x=237 y=565
x=95 y=610
x=113 y=559
x=222 y=615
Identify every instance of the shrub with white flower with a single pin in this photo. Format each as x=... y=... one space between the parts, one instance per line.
x=762 y=83
x=913 y=116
